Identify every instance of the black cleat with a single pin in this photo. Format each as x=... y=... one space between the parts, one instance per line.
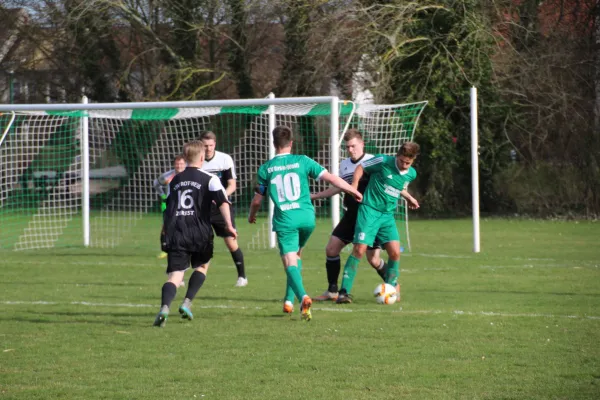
x=343 y=298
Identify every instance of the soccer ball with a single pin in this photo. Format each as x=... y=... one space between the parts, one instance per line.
x=385 y=294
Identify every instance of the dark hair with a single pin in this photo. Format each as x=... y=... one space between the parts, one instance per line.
x=352 y=134
x=282 y=137
x=208 y=135
x=409 y=149
x=178 y=157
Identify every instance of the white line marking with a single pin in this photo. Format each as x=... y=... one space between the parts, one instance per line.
x=385 y=309
x=578 y=265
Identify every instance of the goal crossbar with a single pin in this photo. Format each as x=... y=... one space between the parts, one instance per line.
x=127 y=144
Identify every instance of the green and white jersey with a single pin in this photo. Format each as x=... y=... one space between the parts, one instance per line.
x=285 y=179
x=385 y=183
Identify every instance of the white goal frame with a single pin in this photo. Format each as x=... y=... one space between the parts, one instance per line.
x=270 y=101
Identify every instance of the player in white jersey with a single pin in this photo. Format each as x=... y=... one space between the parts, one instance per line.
x=343 y=233
x=221 y=165
x=161 y=185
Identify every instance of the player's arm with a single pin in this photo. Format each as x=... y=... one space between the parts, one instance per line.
x=358 y=174
x=259 y=191
x=226 y=213
x=159 y=187
x=324 y=194
x=229 y=175
x=341 y=184
x=413 y=204
x=217 y=192
x=161 y=184
x=231 y=186
x=372 y=165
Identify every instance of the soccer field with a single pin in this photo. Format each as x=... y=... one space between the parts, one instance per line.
x=521 y=320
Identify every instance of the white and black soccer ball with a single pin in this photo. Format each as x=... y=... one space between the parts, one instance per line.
x=385 y=294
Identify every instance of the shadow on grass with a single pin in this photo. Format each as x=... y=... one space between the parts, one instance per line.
x=223 y=299
x=511 y=292
x=64 y=321
x=98 y=314
x=82 y=284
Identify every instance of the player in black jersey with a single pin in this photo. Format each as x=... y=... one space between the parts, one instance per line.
x=187 y=235
x=343 y=233
x=221 y=165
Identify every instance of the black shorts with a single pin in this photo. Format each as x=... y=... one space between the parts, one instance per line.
x=178 y=260
x=218 y=223
x=345 y=231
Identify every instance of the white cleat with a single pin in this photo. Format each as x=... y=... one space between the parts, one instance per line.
x=241 y=282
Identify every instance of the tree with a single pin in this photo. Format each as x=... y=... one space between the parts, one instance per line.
x=437 y=50
x=238 y=47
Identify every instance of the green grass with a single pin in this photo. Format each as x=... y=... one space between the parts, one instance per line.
x=521 y=320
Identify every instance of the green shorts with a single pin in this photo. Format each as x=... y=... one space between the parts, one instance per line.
x=372 y=224
x=293 y=240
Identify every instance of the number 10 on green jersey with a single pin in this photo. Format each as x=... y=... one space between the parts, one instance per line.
x=285 y=178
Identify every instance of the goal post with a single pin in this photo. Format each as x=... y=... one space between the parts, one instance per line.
x=57 y=158
x=82 y=174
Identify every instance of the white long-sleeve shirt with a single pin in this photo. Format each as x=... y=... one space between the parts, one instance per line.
x=161 y=184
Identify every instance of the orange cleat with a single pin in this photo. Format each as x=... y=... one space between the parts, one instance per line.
x=305 y=313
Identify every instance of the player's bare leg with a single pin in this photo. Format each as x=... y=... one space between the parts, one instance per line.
x=195 y=283
x=332 y=252
x=374 y=258
x=238 y=260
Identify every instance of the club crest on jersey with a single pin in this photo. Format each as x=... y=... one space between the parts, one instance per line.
x=390 y=176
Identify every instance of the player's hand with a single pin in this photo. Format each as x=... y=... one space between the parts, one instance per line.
x=233 y=232
x=358 y=196
x=252 y=219
x=413 y=204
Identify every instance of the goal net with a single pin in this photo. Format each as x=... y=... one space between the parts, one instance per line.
x=45 y=187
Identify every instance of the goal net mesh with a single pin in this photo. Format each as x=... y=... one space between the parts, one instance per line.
x=41 y=164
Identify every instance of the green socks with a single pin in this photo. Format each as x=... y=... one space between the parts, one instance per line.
x=392 y=272
x=349 y=273
x=294 y=283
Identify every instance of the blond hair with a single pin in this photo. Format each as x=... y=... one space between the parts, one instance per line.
x=193 y=150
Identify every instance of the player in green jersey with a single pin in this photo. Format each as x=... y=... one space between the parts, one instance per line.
x=285 y=179
x=389 y=179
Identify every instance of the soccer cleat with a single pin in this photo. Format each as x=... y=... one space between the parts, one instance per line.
x=344 y=298
x=327 y=295
x=305 y=313
x=288 y=307
x=162 y=255
x=241 y=282
x=185 y=312
x=161 y=319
